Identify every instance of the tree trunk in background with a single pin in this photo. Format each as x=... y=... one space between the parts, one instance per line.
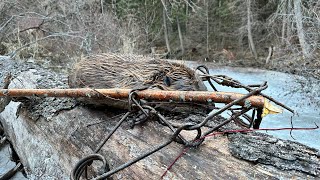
x=187 y=15
x=298 y=19
x=289 y=19
x=207 y=12
x=101 y=4
x=251 y=44
x=283 y=10
x=219 y=43
x=166 y=30
x=180 y=36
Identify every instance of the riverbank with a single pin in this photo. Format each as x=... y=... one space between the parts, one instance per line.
x=291 y=64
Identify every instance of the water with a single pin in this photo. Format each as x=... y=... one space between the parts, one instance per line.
x=300 y=94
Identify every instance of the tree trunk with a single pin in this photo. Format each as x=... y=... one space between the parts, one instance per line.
x=284 y=20
x=166 y=30
x=298 y=19
x=101 y=4
x=207 y=11
x=187 y=14
x=180 y=36
x=270 y=53
x=219 y=43
x=251 y=44
x=289 y=19
x=113 y=4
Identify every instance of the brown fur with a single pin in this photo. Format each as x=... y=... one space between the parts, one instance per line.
x=129 y=71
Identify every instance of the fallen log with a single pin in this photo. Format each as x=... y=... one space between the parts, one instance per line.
x=51 y=134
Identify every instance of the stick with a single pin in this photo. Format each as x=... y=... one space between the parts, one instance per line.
x=176 y=96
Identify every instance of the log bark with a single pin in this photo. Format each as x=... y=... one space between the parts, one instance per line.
x=51 y=134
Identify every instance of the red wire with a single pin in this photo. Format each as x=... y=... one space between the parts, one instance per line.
x=232 y=131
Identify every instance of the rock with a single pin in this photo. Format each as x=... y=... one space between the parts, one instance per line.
x=50 y=135
x=6 y=164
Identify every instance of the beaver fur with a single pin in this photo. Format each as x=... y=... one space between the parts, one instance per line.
x=133 y=71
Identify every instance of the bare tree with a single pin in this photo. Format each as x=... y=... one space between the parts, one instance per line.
x=30 y=31
x=285 y=19
x=207 y=21
x=301 y=34
x=101 y=4
x=251 y=43
x=165 y=29
x=180 y=36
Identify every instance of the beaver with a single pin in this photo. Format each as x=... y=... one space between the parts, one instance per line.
x=132 y=72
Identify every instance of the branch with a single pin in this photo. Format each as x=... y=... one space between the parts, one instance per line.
x=177 y=96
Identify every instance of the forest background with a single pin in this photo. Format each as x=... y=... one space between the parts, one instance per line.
x=282 y=35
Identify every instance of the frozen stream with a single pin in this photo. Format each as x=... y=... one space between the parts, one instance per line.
x=300 y=94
